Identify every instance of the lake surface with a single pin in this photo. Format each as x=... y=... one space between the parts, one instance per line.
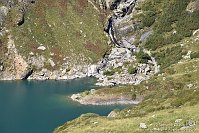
x=41 y=106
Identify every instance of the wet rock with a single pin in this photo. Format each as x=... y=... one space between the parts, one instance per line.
x=126 y=29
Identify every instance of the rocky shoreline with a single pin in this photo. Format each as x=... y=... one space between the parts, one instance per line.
x=122 y=53
x=119 y=67
x=92 y=99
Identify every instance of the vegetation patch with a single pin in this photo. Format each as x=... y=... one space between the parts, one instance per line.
x=64 y=28
x=142 y=57
x=112 y=71
x=171 y=21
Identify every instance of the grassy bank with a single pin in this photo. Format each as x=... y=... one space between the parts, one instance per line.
x=162 y=120
x=167 y=98
x=170 y=97
x=71 y=31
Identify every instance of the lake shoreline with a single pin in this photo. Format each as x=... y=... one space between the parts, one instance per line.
x=41 y=105
x=106 y=99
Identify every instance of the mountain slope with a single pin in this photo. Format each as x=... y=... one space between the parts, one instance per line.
x=171 y=96
x=65 y=28
x=51 y=35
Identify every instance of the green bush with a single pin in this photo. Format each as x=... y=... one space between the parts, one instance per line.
x=154 y=41
x=112 y=71
x=194 y=55
x=148 y=19
x=173 y=16
x=133 y=96
x=132 y=70
x=170 y=71
x=109 y=73
x=142 y=57
x=170 y=56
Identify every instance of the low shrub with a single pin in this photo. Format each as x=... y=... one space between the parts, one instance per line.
x=132 y=70
x=142 y=57
x=194 y=55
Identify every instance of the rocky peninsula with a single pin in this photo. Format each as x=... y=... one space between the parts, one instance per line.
x=96 y=97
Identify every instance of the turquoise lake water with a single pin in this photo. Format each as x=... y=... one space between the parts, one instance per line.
x=41 y=106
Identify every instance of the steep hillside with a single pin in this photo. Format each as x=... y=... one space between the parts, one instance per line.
x=170 y=98
x=68 y=29
x=152 y=59
x=52 y=35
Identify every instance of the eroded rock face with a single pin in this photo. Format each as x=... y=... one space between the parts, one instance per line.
x=20 y=67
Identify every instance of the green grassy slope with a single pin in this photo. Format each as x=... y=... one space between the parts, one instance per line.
x=169 y=97
x=69 y=29
x=174 y=92
x=173 y=24
x=163 y=120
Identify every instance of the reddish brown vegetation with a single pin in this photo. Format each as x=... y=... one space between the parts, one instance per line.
x=33 y=46
x=93 y=47
x=81 y=5
x=63 y=6
x=102 y=18
x=58 y=54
